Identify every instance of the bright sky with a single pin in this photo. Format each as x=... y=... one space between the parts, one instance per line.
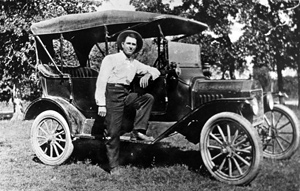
x=124 y=5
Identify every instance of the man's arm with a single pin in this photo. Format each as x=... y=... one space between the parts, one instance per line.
x=105 y=71
x=150 y=72
x=144 y=81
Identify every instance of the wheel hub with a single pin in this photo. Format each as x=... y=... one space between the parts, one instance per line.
x=227 y=149
x=51 y=138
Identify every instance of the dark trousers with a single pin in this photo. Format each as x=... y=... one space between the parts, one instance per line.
x=117 y=97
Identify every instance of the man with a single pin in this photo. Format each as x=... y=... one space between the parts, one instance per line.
x=112 y=93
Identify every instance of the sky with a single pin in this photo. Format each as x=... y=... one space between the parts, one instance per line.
x=124 y=5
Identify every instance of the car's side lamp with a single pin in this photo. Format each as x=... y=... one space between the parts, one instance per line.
x=174 y=66
x=268 y=101
x=253 y=103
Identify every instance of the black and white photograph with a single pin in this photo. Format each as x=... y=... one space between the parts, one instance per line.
x=149 y=95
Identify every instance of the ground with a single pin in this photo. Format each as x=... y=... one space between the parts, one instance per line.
x=173 y=165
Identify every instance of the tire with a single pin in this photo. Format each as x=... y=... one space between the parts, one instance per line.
x=280 y=133
x=50 y=138
x=233 y=159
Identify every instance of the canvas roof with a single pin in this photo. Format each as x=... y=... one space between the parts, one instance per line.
x=170 y=24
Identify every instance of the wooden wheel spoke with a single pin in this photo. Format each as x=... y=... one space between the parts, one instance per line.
x=41 y=137
x=59 y=133
x=55 y=128
x=47 y=126
x=230 y=167
x=42 y=143
x=285 y=133
x=46 y=149
x=267 y=121
x=237 y=166
x=279 y=144
x=241 y=159
x=222 y=164
x=43 y=130
x=55 y=149
x=244 y=150
x=61 y=140
x=228 y=134
x=277 y=122
x=51 y=150
x=216 y=138
x=285 y=140
x=221 y=133
x=236 y=136
x=282 y=126
x=59 y=146
x=240 y=142
x=217 y=156
x=273 y=146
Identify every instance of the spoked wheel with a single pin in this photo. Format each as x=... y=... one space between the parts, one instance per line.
x=51 y=138
x=230 y=148
x=280 y=133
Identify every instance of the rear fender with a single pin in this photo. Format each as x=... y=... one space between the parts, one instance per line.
x=72 y=115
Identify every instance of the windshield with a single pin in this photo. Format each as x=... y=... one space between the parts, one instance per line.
x=184 y=55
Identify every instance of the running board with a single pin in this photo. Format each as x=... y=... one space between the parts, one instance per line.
x=125 y=138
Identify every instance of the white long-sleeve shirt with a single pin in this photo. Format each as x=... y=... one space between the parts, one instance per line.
x=117 y=68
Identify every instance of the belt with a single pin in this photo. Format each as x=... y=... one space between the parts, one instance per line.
x=118 y=85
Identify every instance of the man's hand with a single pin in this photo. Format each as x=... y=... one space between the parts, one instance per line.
x=102 y=111
x=144 y=80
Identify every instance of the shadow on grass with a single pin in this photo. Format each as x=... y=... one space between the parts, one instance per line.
x=139 y=155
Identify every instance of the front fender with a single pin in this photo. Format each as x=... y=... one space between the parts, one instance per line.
x=73 y=116
x=192 y=124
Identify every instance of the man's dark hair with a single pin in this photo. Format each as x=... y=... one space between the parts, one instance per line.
x=132 y=35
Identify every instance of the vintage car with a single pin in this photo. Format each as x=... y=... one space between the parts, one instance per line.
x=224 y=116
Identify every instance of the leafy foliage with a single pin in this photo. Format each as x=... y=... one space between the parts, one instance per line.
x=272 y=35
x=17 y=54
x=217 y=48
x=270 y=38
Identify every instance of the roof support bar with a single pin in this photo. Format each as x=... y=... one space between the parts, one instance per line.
x=61 y=39
x=160 y=31
x=106 y=39
x=44 y=47
x=103 y=54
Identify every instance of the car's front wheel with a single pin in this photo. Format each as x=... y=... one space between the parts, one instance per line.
x=50 y=138
x=230 y=148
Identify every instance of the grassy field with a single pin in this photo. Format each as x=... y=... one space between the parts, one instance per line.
x=172 y=165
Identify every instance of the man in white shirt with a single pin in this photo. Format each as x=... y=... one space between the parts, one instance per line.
x=112 y=93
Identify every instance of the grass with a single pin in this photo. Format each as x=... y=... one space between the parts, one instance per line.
x=172 y=165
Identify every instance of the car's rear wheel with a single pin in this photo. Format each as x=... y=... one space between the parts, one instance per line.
x=50 y=138
x=280 y=133
x=230 y=148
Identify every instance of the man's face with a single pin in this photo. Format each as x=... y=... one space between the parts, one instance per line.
x=129 y=46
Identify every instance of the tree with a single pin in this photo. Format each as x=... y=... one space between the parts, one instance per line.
x=271 y=36
x=271 y=33
x=17 y=54
x=217 y=49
